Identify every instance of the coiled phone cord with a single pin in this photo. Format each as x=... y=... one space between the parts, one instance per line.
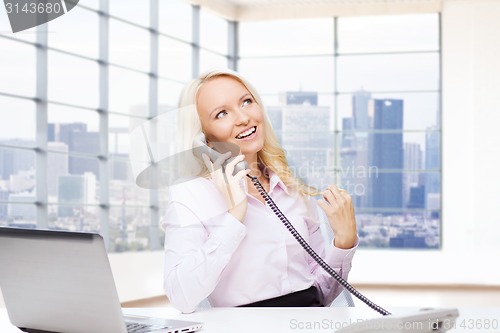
x=311 y=252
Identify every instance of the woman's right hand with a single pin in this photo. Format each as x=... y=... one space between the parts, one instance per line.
x=228 y=184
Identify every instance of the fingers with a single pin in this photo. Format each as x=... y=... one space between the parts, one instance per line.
x=333 y=195
x=334 y=199
x=241 y=174
x=324 y=206
x=232 y=164
x=340 y=212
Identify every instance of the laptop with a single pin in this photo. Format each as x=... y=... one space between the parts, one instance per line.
x=59 y=281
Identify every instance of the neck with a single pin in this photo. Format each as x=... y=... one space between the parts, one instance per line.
x=254 y=166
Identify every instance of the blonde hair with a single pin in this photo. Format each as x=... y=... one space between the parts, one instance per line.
x=272 y=155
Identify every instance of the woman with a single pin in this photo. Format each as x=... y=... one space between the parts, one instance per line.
x=221 y=240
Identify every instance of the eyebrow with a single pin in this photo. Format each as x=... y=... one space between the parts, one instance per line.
x=219 y=108
x=245 y=96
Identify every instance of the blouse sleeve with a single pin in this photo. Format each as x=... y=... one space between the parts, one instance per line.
x=196 y=252
x=339 y=259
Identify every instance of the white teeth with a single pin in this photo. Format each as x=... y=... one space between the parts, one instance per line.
x=246 y=133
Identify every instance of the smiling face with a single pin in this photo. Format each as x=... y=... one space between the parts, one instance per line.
x=229 y=113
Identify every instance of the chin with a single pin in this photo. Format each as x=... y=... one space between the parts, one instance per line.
x=254 y=148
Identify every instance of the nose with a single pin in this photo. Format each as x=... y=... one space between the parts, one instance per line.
x=242 y=117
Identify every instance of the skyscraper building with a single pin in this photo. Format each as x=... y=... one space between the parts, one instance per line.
x=302 y=127
x=360 y=105
x=349 y=159
x=24 y=213
x=57 y=165
x=22 y=181
x=355 y=170
x=4 y=196
x=71 y=190
x=301 y=98
x=412 y=163
x=432 y=161
x=14 y=160
x=416 y=197
x=386 y=153
x=75 y=191
x=51 y=132
x=78 y=139
x=309 y=145
x=84 y=142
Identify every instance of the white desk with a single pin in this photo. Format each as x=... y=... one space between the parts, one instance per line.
x=282 y=320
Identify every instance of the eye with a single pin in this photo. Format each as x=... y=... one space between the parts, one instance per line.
x=247 y=101
x=221 y=114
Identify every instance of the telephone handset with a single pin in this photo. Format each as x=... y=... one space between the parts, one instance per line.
x=200 y=147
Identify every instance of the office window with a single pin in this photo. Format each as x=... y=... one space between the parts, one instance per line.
x=118 y=136
x=388 y=118
x=18 y=128
x=360 y=107
x=135 y=11
x=128 y=45
x=176 y=19
x=128 y=92
x=398 y=33
x=129 y=228
x=210 y=61
x=87 y=173
x=77 y=33
x=362 y=91
x=286 y=37
x=119 y=168
x=72 y=80
x=72 y=172
x=17 y=181
x=421 y=108
x=389 y=72
x=71 y=214
x=175 y=59
x=18 y=214
x=77 y=130
x=168 y=93
x=282 y=74
x=18 y=67
x=213 y=32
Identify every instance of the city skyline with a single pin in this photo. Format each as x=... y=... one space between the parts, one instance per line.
x=77 y=139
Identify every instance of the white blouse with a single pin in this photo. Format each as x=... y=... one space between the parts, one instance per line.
x=209 y=253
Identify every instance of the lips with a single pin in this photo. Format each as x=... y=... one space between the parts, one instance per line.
x=246 y=133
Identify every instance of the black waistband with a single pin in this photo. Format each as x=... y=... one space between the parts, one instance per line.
x=304 y=298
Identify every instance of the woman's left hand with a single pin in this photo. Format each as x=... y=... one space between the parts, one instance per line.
x=338 y=207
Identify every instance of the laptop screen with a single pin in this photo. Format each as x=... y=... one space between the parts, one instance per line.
x=58 y=281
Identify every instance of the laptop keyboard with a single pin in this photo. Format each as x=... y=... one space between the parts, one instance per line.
x=141 y=328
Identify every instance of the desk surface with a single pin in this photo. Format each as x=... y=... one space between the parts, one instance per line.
x=243 y=320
